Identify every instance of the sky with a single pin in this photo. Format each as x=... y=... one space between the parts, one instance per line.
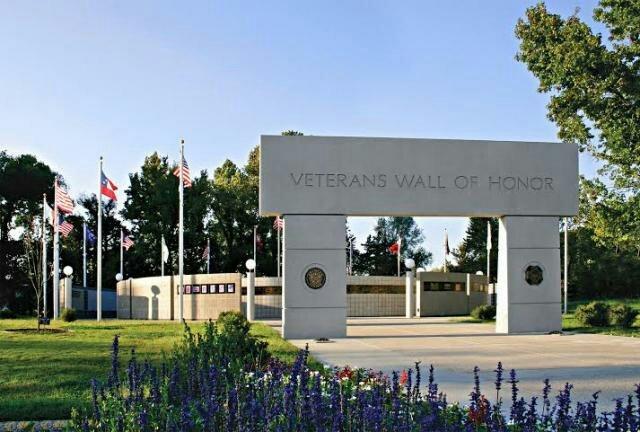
x=80 y=79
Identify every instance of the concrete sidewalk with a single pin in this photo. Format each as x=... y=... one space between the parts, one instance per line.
x=590 y=362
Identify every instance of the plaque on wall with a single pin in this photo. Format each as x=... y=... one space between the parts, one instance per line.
x=231 y=288
x=205 y=289
x=315 y=278
x=195 y=289
x=187 y=289
x=220 y=288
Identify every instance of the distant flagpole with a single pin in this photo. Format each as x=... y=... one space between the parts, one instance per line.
x=181 y=232
x=162 y=255
x=488 y=253
x=278 y=263
x=56 y=258
x=566 y=264
x=208 y=255
x=99 y=247
x=399 y=249
x=121 y=253
x=44 y=253
x=350 y=256
x=84 y=254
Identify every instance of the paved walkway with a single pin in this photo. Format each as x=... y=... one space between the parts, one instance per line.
x=590 y=362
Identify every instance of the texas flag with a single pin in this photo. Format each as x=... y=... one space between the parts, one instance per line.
x=107 y=187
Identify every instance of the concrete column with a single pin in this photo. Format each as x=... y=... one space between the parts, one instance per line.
x=67 y=293
x=314 y=286
x=410 y=304
x=528 y=290
x=251 y=296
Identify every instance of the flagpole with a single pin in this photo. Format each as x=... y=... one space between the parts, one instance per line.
x=350 y=256
x=99 y=247
x=44 y=254
x=162 y=256
x=566 y=264
x=488 y=254
x=121 y=253
x=181 y=232
x=84 y=254
x=278 y=229
x=399 y=249
x=208 y=255
x=56 y=257
x=446 y=247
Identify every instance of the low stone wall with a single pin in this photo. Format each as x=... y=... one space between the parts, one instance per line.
x=158 y=298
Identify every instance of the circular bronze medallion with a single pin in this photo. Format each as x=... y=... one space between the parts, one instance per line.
x=315 y=278
x=534 y=275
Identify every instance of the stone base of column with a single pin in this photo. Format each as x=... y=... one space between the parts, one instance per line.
x=314 y=323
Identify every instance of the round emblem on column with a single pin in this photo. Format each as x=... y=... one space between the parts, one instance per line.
x=315 y=278
x=533 y=274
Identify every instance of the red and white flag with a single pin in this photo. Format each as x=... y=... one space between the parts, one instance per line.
x=64 y=203
x=278 y=223
x=127 y=243
x=107 y=187
x=395 y=248
x=186 y=175
x=65 y=228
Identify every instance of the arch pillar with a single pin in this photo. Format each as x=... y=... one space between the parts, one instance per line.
x=314 y=249
x=528 y=289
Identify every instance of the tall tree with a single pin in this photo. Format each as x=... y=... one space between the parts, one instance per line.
x=376 y=260
x=151 y=209
x=471 y=254
x=23 y=180
x=594 y=85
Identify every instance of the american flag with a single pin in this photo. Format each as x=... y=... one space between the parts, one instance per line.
x=65 y=228
x=63 y=200
x=127 y=243
x=278 y=223
x=186 y=176
x=205 y=253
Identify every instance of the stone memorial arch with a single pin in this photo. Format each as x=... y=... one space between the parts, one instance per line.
x=314 y=182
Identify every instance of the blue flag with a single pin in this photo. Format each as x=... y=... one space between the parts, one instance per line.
x=91 y=238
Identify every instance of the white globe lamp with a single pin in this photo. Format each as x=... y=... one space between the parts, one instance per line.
x=67 y=270
x=409 y=263
x=251 y=264
x=119 y=277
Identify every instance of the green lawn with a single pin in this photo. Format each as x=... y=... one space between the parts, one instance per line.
x=42 y=376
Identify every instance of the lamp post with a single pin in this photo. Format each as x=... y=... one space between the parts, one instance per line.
x=409 y=285
x=68 y=271
x=251 y=289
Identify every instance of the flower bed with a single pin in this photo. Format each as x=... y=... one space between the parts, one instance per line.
x=201 y=387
